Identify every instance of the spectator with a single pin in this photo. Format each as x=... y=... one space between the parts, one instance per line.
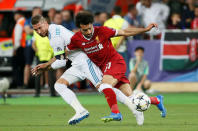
x=153 y=13
x=175 y=22
x=194 y=23
x=18 y=52
x=51 y=13
x=57 y=18
x=187 y=14
x=176 y=6
x=44 y=52
x=104 y=16
x=28 y=51
x=117 y=22
x=139 y=70
x=96 y=19
x=133 y=19
x=132 y=16
x=68 y=21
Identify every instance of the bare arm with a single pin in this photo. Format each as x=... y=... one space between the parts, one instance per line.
x=131 y=31
x=42 y=67
x=120 y=42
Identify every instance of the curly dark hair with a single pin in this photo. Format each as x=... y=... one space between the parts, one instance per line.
x=84 y=18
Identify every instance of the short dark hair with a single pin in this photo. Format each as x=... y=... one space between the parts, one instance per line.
x=139 y=48
x=117 y=10
x=36 y=19
x=131 y=7
x=36 y=7
x=20 y=12
x=97 y=13
x=84 y=18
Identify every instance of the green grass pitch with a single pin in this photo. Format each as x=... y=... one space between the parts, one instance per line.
x=52 y=114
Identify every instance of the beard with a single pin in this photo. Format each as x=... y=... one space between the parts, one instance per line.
x=43 y=34
x=88 y=36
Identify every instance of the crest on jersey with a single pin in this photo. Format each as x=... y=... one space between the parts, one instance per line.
x=97 y=39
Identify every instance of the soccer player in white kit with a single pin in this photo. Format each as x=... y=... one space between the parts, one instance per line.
x=82 y=68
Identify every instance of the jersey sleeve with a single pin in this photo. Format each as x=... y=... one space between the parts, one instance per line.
x=109 y=32
x=72 y=45
x=57 y=43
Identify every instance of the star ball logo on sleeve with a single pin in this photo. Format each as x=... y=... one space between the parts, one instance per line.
x=59 y=49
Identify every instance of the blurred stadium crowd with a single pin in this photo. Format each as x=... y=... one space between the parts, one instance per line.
x=30 y=47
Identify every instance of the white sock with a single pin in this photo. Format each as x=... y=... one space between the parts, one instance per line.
x=69 y=96
x=104 y=86
x=124 y=99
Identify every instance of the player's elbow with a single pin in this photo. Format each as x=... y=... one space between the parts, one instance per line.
x=125 y=33
x=58 y=64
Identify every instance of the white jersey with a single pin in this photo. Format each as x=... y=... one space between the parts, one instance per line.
x=59 y=38
x=82 y=67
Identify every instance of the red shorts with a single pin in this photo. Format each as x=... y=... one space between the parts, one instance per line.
x=116 y=67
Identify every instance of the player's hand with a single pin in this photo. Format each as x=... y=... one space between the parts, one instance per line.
x=39 y=69
x=150 y=26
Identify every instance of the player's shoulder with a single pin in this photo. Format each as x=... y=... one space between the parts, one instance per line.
x=104 y=29
x=59 y=30
x=77 y=36
x=100 y=29
x=56 y=28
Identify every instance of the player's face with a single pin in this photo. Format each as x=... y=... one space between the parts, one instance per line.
x=41 y=28
x=87 y=30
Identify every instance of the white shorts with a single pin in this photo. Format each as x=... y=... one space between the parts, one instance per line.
x=85 y=69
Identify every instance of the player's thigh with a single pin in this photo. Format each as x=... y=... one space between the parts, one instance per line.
x=126 y=89
x=92 y=72
x=108 y=79
x=132 y=77
x=72 y=75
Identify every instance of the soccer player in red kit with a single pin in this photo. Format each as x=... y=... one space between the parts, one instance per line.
x=96 y=43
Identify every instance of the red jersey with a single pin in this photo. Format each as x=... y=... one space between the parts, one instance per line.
x=98 y=48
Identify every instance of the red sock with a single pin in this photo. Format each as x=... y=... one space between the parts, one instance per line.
x=154 y=100
x=111 y=99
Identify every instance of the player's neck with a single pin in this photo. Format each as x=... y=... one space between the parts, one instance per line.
x=90 y=37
